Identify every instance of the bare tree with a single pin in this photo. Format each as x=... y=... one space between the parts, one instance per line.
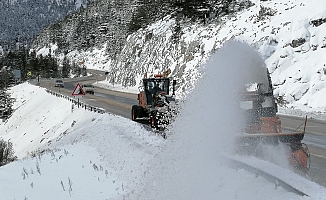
x=6 y=152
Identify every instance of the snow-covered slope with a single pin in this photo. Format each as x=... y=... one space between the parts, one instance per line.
x=77 y=155
x=289 y=35
x=293 y=45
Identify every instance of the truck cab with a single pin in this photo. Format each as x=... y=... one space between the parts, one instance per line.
x=154 y=101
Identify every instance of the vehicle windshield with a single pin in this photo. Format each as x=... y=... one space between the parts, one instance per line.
x=158 y=85
x=59 y=81
x=153 y=87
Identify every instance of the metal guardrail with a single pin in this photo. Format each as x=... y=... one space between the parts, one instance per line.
x=78 y=103
x=266 y=175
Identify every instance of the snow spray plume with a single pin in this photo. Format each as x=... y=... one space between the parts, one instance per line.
x=188 y=167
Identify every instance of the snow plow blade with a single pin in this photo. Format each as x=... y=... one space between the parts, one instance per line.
x=274 y=138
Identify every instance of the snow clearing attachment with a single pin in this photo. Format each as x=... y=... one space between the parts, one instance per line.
x=155 y=103
x=263 y=128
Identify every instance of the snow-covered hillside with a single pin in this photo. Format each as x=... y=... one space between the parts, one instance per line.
x=85 y=155
x=289 y=35
x=293 y=46
x=22 y=20
x=102 y=155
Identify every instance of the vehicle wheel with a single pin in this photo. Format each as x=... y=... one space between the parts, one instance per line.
x=153 y=119
x=134 y=112
x=141 y=112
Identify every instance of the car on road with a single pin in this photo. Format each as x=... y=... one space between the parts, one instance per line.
x=59 y=83
x=88 y=88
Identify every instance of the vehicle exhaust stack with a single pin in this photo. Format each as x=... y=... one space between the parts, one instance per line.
x=174 y=83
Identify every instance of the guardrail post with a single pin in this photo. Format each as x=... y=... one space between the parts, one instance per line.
x=74 y=102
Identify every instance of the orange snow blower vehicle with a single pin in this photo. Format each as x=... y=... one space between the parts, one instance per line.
x=263 y=127
x=155 y=102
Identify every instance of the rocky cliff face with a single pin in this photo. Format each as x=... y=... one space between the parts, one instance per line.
x=156 y=49
x=100 y=37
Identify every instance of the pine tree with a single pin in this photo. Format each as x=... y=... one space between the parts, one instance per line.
x=65 y=68
x=6 y=80
x=5 y=104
